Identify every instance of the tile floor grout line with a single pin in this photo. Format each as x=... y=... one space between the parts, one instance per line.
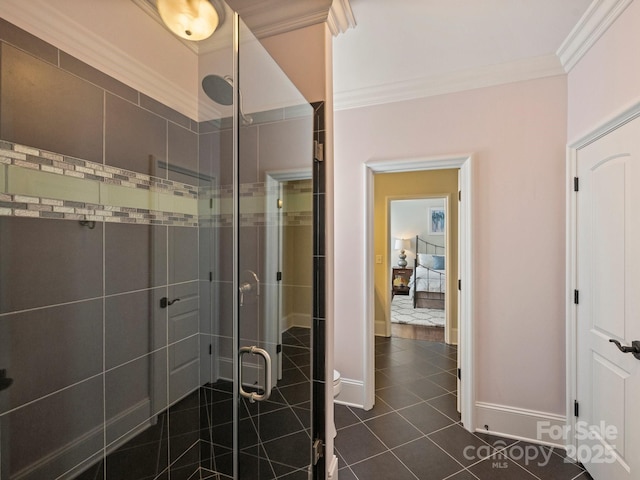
x=365 y=459
x=448 y=453
x=441 y=412
x=514 y=461
x=453 y=475
x=403 y=464
x=389 y=449
x=405 y=348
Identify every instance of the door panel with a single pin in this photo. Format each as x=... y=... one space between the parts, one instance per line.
x=608 y=226
x=275 y=135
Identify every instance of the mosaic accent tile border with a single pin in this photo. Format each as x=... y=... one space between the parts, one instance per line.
x=225 y=220
x=42 y=207
x=36 y=207
x=35 y=159
x=300 y=186
x=258 y=191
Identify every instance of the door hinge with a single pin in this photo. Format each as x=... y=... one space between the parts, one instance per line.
x=576 y=297
x=459 y=374
x=278 y=276
x=459 y=284
x=279 y=348
x=210 y=349
x=211 y=276
x=576 y=184
x=279 y=203
x=318 y=450
x=211 y=203
x=459 y=195
x=576 y=408
x=318 y=151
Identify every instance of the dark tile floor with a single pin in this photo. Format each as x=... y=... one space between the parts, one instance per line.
x=272 y=434
x=414 y=429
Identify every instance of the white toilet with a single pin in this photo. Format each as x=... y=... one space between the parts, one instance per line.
x=337 y=387
x=337 y=383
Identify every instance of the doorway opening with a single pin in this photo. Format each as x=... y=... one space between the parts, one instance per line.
x=289 y=202
x=422 y=258
x=463 y=167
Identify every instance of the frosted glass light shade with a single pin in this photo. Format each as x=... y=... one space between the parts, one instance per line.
x=191 y=19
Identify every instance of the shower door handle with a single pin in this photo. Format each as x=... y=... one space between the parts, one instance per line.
x=251 y=284
x=253 y=396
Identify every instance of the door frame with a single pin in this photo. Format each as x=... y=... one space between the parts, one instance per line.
x=465 y=164
x=571 y=268
x=274 y=185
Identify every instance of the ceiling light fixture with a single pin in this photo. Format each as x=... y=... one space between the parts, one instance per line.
x=191 y=19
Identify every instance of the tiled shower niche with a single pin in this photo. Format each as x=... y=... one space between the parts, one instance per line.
x=111 y=206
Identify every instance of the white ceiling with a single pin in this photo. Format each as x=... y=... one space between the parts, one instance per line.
x=402 y=49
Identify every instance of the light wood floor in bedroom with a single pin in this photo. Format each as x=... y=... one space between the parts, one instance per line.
x=417 y=332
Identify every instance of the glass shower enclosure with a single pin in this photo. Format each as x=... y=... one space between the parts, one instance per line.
x=156 y=270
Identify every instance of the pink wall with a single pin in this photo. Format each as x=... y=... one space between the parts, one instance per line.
x=607 y=79
x=300 y=53
x=517 y=134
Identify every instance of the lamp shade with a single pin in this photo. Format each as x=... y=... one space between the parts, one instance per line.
x=191 y=19
x=402 y=244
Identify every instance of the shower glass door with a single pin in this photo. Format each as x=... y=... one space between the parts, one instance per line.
x=273 y=234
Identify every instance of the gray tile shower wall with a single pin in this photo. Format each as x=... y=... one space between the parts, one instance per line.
x=134 y=138
x=48 y=262
x=31 y=339
x=103 y=377
x=107 y=384
x=45 y=107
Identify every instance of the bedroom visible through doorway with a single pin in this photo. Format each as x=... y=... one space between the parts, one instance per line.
x=418 y=239
x=416 y=193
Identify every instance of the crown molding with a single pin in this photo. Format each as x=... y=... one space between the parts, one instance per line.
x=340 y=17
x=528 y=69
x=594 y=23
x=266 y=18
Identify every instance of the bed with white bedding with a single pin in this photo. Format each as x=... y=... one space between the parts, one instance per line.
x=428 y=281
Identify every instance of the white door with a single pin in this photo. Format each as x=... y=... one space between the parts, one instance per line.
x=608 y=283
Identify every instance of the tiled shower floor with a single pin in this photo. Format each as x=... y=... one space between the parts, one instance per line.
x=414 y=430
x=274 y=439
x=272 y=434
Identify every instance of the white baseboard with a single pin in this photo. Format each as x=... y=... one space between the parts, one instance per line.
x=298 y=320
x=352 y=393
x=251 y=373
x=127 y=424
x=518 y=423
x=333 y=469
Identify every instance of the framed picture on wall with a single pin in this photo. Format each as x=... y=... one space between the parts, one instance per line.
x=436 y=221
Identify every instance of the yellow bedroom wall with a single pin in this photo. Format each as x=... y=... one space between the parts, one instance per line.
x=297 y=248
x=397 y=186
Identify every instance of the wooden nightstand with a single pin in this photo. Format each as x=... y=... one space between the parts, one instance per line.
x=400 y=281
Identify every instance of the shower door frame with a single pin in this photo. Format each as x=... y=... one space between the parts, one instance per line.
x=275 y=183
